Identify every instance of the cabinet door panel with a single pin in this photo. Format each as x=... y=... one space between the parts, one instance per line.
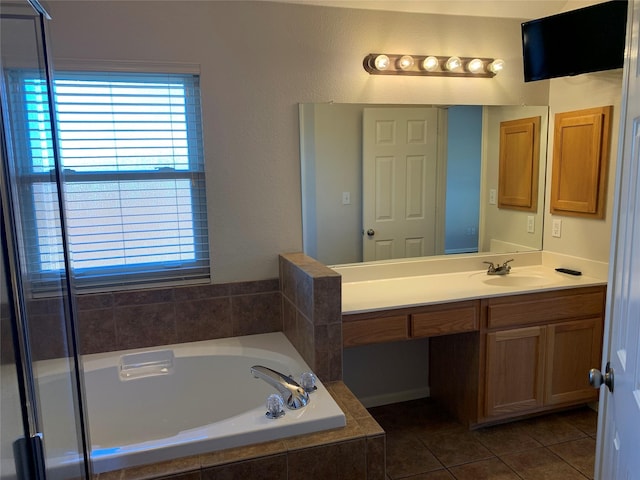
x=573 y=348
x=514 y=371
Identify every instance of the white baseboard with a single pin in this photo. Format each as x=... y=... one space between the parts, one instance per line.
x=394 y=397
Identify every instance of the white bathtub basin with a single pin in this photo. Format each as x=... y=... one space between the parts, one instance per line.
x=202 y=399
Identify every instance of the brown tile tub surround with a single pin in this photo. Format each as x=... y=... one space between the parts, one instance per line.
x=355 y=452
x=304 y=303
x=312 y=312
x=163 y=316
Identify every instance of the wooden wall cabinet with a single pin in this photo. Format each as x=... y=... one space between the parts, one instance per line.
x=581 y=147
x=519 y=164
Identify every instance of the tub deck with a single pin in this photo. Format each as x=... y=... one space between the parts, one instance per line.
x=354 y=451
x=156 y=404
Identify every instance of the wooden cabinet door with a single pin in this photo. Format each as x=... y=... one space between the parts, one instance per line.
x=514 y=371
x=573 y=348
x=518 y=168
x=581 y=162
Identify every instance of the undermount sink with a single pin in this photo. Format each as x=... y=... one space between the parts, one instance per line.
x=517 y=280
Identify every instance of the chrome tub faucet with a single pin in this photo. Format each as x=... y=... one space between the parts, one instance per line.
x=292 y=393
x=503 y=269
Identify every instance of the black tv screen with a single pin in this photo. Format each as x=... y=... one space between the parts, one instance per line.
x=587 y=40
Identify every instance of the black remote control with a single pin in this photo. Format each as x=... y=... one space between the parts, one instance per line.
x=569 y=271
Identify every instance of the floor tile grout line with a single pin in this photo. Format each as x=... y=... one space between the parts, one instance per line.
x=420 y=436
x=498 y=458
x=566 y=462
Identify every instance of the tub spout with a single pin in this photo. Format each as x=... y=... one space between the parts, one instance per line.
x=292 y=393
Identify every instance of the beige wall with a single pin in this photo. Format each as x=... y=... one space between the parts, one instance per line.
x=502 y=224
x=584 y=237
x=333 y=231
x=258 y=60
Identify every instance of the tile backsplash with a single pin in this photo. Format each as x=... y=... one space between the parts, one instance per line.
x=145 y=318
x=304 y=303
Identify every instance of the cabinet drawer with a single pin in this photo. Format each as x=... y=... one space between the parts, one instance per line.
x=444 y=322
x=375 y=330
x=542 y=309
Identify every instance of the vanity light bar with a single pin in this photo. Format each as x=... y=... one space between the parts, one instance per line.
x=431 y=65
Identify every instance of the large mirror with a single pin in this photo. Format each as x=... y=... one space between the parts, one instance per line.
x=352 y=191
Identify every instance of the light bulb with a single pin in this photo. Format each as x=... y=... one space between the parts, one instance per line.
x=475 y=66
x=381 y=62
x=405 y=62
x=452 y=63
x=430 y=64
x=496 y=65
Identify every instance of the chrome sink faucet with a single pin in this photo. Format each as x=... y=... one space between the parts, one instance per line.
x=499 y=269
x=292 y=393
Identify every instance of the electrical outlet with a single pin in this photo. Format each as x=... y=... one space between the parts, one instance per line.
x=556 y=227
x=531 y=224
x=493 y=193
x=346 y=198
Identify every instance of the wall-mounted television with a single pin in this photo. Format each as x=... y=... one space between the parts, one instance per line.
x=589 y=39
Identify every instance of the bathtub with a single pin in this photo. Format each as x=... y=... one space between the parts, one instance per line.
x=155 y=404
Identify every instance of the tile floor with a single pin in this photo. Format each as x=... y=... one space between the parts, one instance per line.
x=424 y=443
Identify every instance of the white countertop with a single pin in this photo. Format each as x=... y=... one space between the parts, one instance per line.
x=399 y=292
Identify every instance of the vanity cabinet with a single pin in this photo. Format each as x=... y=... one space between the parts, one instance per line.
x=407 y=323
x=532 y=354
x=500 y=357
x=538 y=350
x=535 y=367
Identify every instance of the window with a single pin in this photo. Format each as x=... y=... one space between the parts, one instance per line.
x=133 y=184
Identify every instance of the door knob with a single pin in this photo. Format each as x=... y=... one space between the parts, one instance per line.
x=371 y=232
x=597 y=379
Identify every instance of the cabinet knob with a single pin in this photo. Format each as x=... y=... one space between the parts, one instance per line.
x=597 y=379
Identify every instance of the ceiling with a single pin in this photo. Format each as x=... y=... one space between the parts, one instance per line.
x=523 y=9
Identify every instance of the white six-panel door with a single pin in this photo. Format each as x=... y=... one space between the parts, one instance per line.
x=618 y=446
x=400 y=183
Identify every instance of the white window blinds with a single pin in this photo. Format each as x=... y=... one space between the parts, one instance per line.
x=133 y=184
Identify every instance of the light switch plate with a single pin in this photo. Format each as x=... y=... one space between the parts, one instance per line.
x=493 y=193
x=346 y=198
x=531 y=224
x=556 y=227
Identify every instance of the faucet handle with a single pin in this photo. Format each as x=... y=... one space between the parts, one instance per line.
x=492 y=267
x=274 y=406
x=308 y=382
x=506 y=265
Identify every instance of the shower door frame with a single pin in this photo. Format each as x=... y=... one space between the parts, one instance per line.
x=30 y=451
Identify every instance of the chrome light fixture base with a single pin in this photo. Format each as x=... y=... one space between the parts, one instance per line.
x=425 y=65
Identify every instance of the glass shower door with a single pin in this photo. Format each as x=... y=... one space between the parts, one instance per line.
x=41 y=410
